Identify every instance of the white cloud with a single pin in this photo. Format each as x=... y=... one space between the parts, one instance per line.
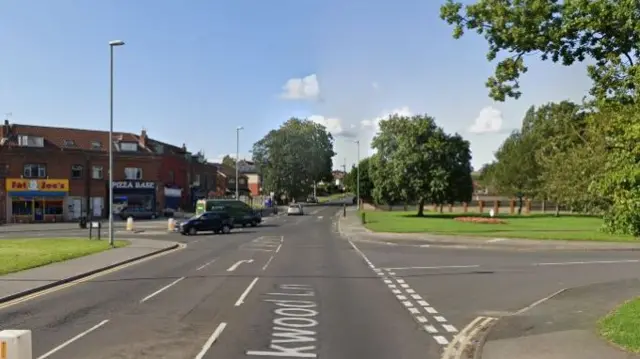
x=305 y=88
x=333 y=125
x=373 y=125
x=489 y=120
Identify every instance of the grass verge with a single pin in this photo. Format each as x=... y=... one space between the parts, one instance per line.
x=535 y=226
x=20 y=254
x=323 y=199
x=622 y=326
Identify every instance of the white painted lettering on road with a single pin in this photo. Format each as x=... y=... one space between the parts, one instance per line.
x=293 y=333
x=238 y=263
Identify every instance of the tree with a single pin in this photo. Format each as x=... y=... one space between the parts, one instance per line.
x=415 y=159
x=294 y=157
x=604 y=31
x=229 y=161
x=366 y=186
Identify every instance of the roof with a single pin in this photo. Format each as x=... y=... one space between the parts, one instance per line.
x=338 y=174
x=71 y=138
x=226 y=170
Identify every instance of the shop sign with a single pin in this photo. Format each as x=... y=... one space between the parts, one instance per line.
x=134 y=185
x=37 y=185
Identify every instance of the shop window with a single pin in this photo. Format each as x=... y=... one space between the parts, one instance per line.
x=76 y=171
x=21 y=208
x=54 y=207
x=133 y=173
x=97 y=172
x=34 y=171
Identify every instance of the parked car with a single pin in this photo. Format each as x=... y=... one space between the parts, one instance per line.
x=241 y=213
x=295 y=210
x=137 y=213
x=216 y=222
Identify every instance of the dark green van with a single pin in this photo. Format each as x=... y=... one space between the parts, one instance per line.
x=241 y=212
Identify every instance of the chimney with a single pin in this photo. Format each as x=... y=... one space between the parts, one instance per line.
x=143 y=138
x=184 y=147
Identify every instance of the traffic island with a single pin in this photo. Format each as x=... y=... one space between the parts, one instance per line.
x=26 y=253
x=621 y=327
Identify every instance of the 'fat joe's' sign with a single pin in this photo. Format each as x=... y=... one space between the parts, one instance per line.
x=134 y=185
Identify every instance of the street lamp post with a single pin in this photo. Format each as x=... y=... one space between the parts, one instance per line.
x=238 y=129
x=112 y=44
x=358 y=175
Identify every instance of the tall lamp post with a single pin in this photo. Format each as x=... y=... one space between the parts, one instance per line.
x=357 y=142
x=112 y=44
x=238 y=129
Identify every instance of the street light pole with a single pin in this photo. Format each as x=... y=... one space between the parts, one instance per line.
x=112 y=44
x=238 y=159
x=358 y=175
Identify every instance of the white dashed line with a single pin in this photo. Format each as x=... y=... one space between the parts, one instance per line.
x=407 y=303
x=416 y=296
x=450 y=328
x=430 y=310
x=401 y=297
x=441 y=340
x=410 y=291
x=430 y=329
x=404 y=285
x=423 y=303
x=439 y=319
x=414 y=310
x=396 y=291
x=421 y=319
x=392 y=286
x=388 y=281
x=401 y=281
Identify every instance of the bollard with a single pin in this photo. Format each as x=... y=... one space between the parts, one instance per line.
x=344 y=210
x=15 y=344
x=130 y=224
x=171 y=224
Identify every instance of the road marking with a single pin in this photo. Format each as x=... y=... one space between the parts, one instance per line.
x=407 y=303
x=410 y=291
x=388 y=281
x=392 y=286
x=206 y=264
x=319 y=217
x=439 y=318
x=425 y=245
x=244 y=294
x=450 y=328
x=401 y=297
x=587 y=262
x=434 y=267
x=421 y=319
x=441 y=340
x=430 y=329
x=89 y=278
x=401 y=281
x=161 y=289
x=79 y=336
x=497 y=240
x=414 y=310
x=396 y=291
x=266 y=265
x=539 y=301
x=362 y=254
x=238 y=263
x=416 y=296
x=423 y=303
x=212 y=339
x=431 y=310
x=404 y=285
x=278 y=249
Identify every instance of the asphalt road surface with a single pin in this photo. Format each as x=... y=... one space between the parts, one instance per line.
x=294 y=289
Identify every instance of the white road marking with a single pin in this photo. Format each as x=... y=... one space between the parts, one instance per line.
x=494 y=240
x=423 y=303
x=278 y=249
x=206 y=264
x=430 y=329
x=410 y=291
x=319 y=217
x=441 y=340
x=407 y=303
x=425 y=246
x=414 y=310
x=401 y=297
x=421 y=319
x=61 y=346
x=238 y=263
x=161 y=290
x=388 y=281
x=450 y=328
x=587 y=262
x=396 y=291
x=379 y=273
x=439 y=318
x=539 y=301
x=416 y=296
x=244 y=294
x=431 y=310
x=392 y=286
x=404 y=285
x=362 y=254
x=401 y=281
x=392 y=273
x=434 y=267
x=212 y=339
x=266 y=265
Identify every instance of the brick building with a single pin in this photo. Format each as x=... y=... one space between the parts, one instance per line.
x=173 y=174
x=58 y=174
x=206 y=180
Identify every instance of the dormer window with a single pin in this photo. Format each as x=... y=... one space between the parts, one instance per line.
x=128 y=146
x=30 y=141
x=69 y=143
x=96 y=145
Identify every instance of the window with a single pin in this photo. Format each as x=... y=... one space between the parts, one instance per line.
x=96 y=145
x=30 y=141
x=34 y=171
x=132 y=173
x=128 y=146
x=241 y=180
x=159 y=148
x=76 y=171
x=97 y=172
x=197 y=180
x=69 y=143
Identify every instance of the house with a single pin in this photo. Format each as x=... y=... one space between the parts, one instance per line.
x=254 y=180
x=229 y=175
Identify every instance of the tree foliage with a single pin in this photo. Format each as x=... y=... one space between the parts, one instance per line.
x=366 y=186
x=416 y=159
x=294 y=157
x=604 y=31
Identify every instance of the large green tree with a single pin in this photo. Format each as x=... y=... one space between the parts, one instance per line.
x=229 y=161
x=366 y=186
x=294 y=157
x=603 y=31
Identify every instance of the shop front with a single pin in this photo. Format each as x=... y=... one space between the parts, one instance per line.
x=134 y=195
x=36 y=200
x=172 y=198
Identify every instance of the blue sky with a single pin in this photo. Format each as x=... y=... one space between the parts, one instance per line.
x=192 y=71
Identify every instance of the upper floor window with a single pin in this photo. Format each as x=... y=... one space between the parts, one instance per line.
x=34 y=171
x=242 y=180
x=97 y=172
x=128 y=146
x=96 y=145
x=69 y=143
x=76 y=171
x=196 y=180
x=30 y=141
x=133 y=173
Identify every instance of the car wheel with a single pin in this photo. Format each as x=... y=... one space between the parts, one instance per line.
x=226 y=229
x=254 y=223
x=193 y=231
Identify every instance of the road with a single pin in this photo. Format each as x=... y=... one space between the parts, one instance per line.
x=294 y=288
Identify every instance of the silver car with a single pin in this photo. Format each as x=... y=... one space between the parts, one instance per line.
x=295 y=210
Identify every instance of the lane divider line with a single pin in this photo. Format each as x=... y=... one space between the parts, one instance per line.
x=244 y=294
x=268 y=262
x=162 y=289
x=206 y=265
x=63 y=345
x=212 y=339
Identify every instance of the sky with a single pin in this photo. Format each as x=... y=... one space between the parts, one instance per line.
x=194 y=71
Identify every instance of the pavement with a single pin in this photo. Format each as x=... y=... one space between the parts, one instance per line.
x=298 y=288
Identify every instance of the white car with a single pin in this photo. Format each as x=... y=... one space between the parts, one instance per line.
x=295 y=209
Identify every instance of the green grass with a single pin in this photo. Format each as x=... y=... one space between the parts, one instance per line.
x=323 y=199
x=535 y=226
x=21 y=254
x=622 y=326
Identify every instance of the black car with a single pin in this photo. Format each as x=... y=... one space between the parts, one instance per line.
x=216 y=222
